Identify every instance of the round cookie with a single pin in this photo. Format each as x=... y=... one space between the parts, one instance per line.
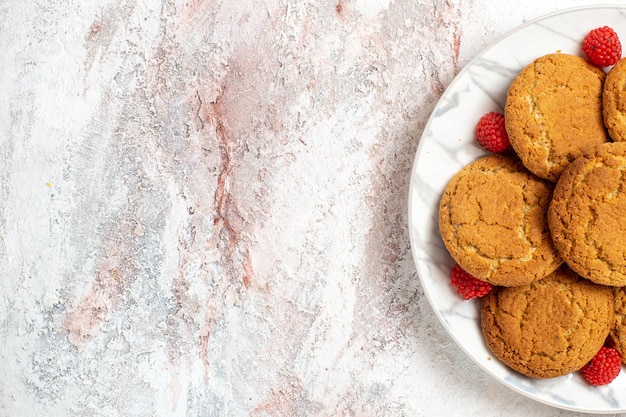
x=586 y=215
x=614 y=101
x=492 y=220
x=550 y=327
x=553 y=112
x=618 y=331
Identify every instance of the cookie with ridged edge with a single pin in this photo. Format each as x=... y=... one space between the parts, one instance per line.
x=614 y=101
x=492 y=220
x=550 y=327
x=586 y=214
x=553 y=112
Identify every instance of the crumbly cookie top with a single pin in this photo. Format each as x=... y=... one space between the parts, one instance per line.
x=618 y=330
x=614 y=101
x=492 y=220
x=586 y=215
x=554 y=111
x=550 y=327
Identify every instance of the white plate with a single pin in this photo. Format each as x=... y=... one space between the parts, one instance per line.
x=447 y=145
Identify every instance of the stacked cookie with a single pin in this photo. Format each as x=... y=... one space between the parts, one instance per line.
x=545 y=223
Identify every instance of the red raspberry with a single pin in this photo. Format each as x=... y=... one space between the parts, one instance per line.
x=491 y=134
x=604 y=367
x=602 y=46
x=467 y=285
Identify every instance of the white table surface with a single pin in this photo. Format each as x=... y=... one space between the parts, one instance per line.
x=203 y=207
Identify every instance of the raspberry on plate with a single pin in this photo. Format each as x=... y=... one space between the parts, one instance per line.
x=602 y=46
x=468 y=286
x=491 y=133
x=604 y=367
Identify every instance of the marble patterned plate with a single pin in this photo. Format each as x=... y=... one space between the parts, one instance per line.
x=447 y=145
